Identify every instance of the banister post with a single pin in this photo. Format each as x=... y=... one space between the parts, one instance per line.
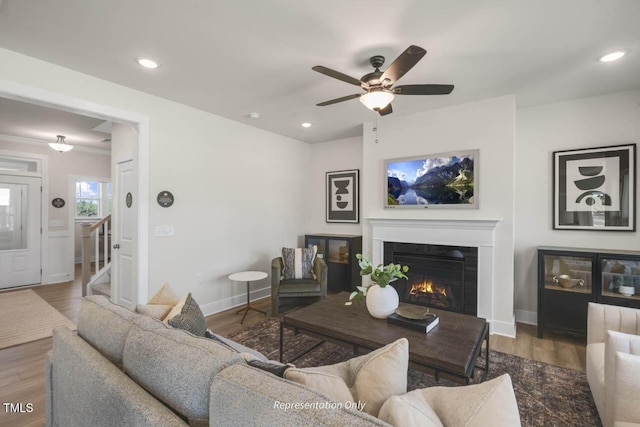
x=86 y=256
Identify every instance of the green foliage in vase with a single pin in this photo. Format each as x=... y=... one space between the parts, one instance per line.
x=380 y=275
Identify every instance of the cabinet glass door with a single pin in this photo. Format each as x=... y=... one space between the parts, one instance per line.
x=620 y=278
x=568 y=273
x=339 y=251
x=320 y=243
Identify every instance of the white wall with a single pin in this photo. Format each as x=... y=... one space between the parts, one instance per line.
x=240 y=192
x=488 y=126
x=588 y=122
x=342 y=154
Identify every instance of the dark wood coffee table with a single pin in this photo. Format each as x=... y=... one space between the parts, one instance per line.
x=452 y=347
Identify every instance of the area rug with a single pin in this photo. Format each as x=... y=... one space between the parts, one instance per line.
x=25 y=317
x=547 y=395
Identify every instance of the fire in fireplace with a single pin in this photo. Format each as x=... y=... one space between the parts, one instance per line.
x=430 y=294
x=439 y=276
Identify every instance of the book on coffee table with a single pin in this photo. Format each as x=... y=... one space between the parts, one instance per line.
x=423 y=325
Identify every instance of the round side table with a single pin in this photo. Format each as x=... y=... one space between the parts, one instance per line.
x=248 y=276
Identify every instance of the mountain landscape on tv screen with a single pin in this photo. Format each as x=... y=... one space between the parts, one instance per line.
x=452 y=183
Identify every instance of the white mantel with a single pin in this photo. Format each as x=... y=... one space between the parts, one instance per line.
x=453 y=232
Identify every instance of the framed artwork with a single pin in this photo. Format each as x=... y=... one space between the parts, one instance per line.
x=445 y=180
x=595 y=189
x=343 y=196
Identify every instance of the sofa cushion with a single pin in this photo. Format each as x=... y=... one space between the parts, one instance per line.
x=295 y=286
x=370 y=379
x=175 y=366
x=188 y=316
x=491 y=403
x=105 y=326
x=246 y=396
x=410 y=409
x=88 y=390
x=298 y=262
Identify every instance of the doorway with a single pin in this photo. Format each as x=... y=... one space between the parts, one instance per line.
x=20 y=227
x=139 y=283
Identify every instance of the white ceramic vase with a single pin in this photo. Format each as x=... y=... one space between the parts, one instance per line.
x=381 y=302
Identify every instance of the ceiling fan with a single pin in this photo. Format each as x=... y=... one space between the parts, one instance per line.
x=378 y=85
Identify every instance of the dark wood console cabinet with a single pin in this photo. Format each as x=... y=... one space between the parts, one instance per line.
x=339 y=252
x=570 y=278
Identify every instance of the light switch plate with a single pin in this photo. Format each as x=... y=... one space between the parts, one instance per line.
x=164 y=231
x=56 y=223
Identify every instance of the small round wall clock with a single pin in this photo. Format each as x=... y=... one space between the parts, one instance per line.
x=58 y=202
x=165 y=199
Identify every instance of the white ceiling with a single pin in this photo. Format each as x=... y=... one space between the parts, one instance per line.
x=41 y=125
x=233 y=57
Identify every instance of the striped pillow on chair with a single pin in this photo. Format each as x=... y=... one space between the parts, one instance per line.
x=298 y=262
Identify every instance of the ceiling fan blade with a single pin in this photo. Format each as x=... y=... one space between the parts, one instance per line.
x=344 y=98
x=403 y=63
x=386 y=110
x=423 y=89
x=336 y=75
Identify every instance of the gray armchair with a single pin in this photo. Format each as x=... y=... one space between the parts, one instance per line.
x=296 y=288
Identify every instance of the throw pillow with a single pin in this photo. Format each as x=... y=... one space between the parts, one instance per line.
x=298 y=262
x=158 y=311
x=492 y=402
x=408 y=410
x=165 y=296
x=367 y=380
x=188 y=317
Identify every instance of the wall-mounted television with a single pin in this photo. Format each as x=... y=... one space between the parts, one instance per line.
x=444 y=180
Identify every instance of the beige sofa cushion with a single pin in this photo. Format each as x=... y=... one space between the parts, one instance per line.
x=157 y=311
x=370 y=379
x=245 y=396
x=408 y=410
x=491 y=403
x=625 y=404
x=175 y=366
x=105 y=326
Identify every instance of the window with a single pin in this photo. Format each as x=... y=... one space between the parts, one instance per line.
x=93 y=199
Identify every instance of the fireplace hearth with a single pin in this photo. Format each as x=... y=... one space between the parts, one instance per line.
x=443 y=277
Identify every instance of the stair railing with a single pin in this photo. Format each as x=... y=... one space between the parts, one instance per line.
x=95 y=230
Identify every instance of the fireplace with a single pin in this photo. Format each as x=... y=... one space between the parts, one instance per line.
x=439 y=276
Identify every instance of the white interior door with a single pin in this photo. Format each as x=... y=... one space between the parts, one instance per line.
x=126 y=226
x=20 y=231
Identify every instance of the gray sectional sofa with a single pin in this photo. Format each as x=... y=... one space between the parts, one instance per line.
x=125 y=369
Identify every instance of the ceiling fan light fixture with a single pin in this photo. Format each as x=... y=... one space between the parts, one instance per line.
x=60 y=145
x=376 y=100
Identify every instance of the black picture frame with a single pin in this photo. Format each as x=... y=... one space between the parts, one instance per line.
x=343 y=196
x=595 y=188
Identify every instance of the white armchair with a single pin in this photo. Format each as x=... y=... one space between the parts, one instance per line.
x=613 y=362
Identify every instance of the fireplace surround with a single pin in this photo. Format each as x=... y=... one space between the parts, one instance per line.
x=472 y=233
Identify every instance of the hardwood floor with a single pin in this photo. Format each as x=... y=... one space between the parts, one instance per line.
x=22 y=366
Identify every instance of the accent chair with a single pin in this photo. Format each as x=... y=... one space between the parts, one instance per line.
x=296 y=288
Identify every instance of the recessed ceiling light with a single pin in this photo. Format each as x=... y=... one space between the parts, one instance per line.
x=254 y=115
x=613 y=56
x=305 y=125
x=147 y=63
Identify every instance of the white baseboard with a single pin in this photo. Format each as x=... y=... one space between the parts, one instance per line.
x=59 y=278
x=235 y=301
x=503 y=328
x=528 y=317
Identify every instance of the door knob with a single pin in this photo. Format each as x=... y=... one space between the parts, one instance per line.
x=116 y=246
